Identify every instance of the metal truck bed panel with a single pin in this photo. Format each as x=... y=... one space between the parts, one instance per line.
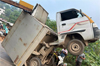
x=40 y=13
x=33 y=45
x=20 y=38
x=24 y=37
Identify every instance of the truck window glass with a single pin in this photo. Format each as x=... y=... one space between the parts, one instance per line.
x=79 y=15
x=70 y=15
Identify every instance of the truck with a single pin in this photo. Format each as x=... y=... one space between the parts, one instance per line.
x=31 y=42
x=75 y=30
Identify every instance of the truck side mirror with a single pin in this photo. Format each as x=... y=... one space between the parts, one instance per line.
x=81 y=12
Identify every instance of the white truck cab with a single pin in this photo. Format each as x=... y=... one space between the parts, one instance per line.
x=75 y=29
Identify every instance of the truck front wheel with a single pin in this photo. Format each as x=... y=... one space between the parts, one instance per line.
x=75 y=47
x=35 y=62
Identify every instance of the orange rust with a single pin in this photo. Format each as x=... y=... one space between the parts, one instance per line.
x=16 y=59
x=20 y=39
x=25 y=44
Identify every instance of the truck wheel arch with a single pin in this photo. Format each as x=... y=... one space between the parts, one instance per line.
x=74 y=36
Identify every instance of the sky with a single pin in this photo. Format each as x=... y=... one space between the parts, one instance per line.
x=89 y=7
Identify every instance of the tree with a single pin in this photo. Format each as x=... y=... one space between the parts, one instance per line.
x=11 y=13
x=13 y=16
x=7 y=12
x=51 y=24
x=13 y=8
x=2 y=4
x=7 y=6
x=4 y=17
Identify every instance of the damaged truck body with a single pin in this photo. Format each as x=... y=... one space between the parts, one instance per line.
x=31 y=42
x=26 y=41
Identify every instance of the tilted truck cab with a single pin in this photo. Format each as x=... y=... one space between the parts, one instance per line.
x=75 y=30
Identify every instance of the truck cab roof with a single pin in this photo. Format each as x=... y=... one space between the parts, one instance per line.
x=72 y=9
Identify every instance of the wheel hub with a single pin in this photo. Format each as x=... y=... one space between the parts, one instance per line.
x=34 y=63
x=75 y=47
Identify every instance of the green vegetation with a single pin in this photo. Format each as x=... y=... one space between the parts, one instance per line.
x=51 y=24
x=92 y=53
x=11 y=12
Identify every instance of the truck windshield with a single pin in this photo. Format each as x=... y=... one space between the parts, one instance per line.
x=70 y=15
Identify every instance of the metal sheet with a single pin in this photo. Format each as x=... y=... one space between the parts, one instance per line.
x=34 y=44
x=20 y=38
x=40 y=13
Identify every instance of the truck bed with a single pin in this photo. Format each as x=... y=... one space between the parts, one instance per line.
x=24 y=37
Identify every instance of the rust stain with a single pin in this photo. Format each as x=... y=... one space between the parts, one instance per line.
x=16 y=59
x=20 y=39
x=25 y=44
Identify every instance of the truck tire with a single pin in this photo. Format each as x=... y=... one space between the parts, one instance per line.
x=75 y=47
x=35 y=62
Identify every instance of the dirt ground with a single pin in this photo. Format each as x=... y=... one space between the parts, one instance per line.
x=1 y=39
x=4 y=58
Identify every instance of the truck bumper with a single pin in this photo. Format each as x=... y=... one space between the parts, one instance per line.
x=96 y=33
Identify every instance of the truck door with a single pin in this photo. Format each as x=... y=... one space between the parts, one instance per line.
x=73 y=21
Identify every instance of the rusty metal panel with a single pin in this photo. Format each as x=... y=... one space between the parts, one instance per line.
x=40 y=13
x=21 y=36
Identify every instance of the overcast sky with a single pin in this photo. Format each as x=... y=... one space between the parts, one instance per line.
x=89 y=7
